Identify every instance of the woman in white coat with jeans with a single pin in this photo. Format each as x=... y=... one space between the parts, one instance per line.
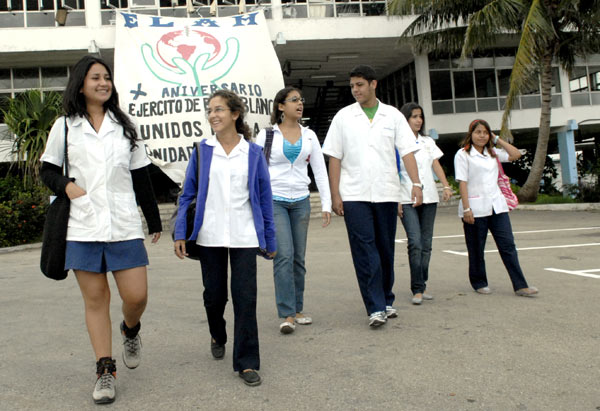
x=292 y=148
x=418 y=221
x=483 y=207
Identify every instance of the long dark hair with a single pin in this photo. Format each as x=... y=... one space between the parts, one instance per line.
x=468 y=141
x=407 y=110
x=74 y=101
x=280 y=97
x=236 y=105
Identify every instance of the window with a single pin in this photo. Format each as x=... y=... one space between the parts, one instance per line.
x=399 y=87
x=485 y=83
x=39 y=13
x=54 y=77
x=481 y=83
x=15 y=81
x=26 y=78
x=584 y=82
x=463 y=84
x=443 y=85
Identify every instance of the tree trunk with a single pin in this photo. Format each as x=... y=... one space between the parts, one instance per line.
x=529 y=191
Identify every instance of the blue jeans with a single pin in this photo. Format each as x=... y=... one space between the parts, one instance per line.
x=291 y=222
x=372 y=232
x=418 y=224
x=475 y=236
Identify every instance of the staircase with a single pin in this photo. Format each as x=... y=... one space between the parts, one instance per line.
x=330 y=100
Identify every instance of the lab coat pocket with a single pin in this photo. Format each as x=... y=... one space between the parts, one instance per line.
x=126 y=210
x=121 y=154
x=82 y=212
x=387 y=134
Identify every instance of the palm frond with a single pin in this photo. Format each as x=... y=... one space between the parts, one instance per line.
x=537 y=38
x=439 y=42
x=435 y=15
x=496 y=17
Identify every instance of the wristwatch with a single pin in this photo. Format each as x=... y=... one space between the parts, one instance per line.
x=418 y=185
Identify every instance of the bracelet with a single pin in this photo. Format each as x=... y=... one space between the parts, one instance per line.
x=466 y=209
x=418 y=185
x=448 y=188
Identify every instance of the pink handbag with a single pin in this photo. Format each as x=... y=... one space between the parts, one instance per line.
x=504 y=183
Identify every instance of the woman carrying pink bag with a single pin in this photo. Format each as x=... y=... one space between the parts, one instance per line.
x=484 y=207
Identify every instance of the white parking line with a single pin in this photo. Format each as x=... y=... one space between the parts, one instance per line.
x=464 y=253
x=582 y=273
x=403 y=240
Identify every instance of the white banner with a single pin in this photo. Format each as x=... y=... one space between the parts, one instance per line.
x=165 y=69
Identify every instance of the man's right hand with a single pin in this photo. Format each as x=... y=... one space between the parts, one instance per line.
x=337 y=205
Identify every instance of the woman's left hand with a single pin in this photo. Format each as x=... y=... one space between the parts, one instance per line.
x=272 y=254
x=326 y=218
x=155 y=238
x=447 y=194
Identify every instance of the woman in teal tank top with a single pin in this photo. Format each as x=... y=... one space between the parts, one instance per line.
x=290 y=148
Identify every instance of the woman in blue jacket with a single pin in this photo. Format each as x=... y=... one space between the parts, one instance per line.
x=233 y=220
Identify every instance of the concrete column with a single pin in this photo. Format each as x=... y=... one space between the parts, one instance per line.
x=423 y=86
x=568 y=158
x=276 y=10
x=565 y=92
x=93 y=19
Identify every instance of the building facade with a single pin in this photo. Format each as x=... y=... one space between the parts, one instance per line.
x=317 y=43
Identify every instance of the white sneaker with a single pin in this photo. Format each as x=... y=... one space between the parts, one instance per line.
x=427 y=297
x=104 y=390
x=303 y=320
x=391 y=312
x=132 y=350
x=377 y=318
x=287 y=327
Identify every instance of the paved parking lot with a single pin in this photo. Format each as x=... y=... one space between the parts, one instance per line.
x=462 y=351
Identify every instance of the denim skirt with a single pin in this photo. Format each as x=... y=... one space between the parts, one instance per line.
x=101 y=257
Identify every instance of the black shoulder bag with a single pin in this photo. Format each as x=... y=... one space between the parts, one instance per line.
x=54 y=240
x=268 y=144
x=191 y=248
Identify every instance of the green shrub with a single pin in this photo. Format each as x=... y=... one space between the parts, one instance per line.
x=22 y=212
x=518 y=171
x=453 y=184
x=29 y=117
x=553 y=199
x=584 y=192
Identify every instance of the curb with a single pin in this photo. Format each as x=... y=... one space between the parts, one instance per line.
x=166 y=210
x=560 y=207
x=6 y=250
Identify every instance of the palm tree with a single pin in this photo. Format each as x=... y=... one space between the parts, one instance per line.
x=29 y=117
x=549 y=30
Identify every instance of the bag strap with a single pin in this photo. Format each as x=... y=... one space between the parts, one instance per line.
x=198 y=146
x=66 y=152
x=268 y=143
x=199 y=159
x=500 y=168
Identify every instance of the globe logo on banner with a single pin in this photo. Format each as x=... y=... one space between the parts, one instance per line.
x=167 y=67
x=178 y=44
x=186 y=57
